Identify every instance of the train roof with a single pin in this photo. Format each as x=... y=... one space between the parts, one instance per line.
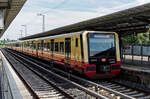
x=14 y=42
x=67 y=34
x=52 y=36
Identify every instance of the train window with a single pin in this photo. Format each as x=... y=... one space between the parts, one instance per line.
x=45 y=47
x=48 y=47
x=52 y=45
x=17 y=45
x=38 y=46
x=42 y=44
x=68 y=46
x=56 y=47
x=27 y=45
x=34 y=45
x=30 y=46
x=61 y=47
x=76 y=42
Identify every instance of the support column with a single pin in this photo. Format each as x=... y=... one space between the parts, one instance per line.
x=132 y=46
x=120 y=46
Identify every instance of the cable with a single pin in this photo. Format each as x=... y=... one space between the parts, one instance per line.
x=57 y=6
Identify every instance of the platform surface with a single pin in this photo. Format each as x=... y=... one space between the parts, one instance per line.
x=18 y=89
x=141 y=68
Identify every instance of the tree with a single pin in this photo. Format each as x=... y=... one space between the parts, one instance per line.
x=141 y=38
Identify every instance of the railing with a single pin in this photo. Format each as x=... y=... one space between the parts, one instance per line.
x=139 y=53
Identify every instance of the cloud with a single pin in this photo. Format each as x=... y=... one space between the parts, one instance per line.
x=142 y=1
x=121 y=7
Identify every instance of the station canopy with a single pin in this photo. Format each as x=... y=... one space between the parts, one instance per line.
x=126 y=22
x=8 y=11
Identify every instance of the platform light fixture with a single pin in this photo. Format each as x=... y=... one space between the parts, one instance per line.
x=43 y=26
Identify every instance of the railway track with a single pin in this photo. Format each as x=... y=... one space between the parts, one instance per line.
x=114 y=88
x=110 y=90
x=64 y=88
x=117 y=86
x=39 y=88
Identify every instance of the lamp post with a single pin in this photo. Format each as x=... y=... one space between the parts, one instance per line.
x=43 y=26
x=25 y=26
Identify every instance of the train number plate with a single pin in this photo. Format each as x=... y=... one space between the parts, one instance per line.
x=106 y=68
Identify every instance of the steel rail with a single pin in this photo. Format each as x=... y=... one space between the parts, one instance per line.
x=46 y=65
x=95 y=84
x=92 y=93
x=26 y=83
x=51 y=83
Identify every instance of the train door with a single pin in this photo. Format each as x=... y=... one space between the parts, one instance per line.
x=21 y=46
x=52 y=52
x=38 y=48
x=48 y=47
x=32 y=47
x=42 y=46
x=52 y=48
x=67 y=50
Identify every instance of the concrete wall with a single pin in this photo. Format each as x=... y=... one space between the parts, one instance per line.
x=136 y=76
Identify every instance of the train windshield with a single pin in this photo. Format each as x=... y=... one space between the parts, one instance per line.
x=101 y=45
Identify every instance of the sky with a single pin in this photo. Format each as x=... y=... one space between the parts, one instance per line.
x=59 y=13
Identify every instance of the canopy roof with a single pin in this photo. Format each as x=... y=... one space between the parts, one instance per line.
x=10 y=10
x=126 y=22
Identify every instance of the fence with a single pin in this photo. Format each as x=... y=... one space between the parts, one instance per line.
x=136 y=52
x=139 y=50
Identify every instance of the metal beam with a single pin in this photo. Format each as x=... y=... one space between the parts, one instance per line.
x=10 y=12
x=4 y=4
x=143 y=19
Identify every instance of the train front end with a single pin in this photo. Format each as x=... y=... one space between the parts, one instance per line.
x=101 y=54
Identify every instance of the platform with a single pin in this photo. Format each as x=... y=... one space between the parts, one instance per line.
x=139 y=67
x=136 y=69
x=12 y=86
x=136 y=63
x=136 y=75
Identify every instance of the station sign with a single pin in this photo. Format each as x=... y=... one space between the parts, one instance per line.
x=1 y=19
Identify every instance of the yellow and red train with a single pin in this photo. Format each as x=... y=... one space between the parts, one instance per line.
x=93 y=53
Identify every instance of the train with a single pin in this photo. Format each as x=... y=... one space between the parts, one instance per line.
x=94 y=54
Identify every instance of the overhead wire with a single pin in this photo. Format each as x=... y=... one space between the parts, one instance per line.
x=55 y=7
